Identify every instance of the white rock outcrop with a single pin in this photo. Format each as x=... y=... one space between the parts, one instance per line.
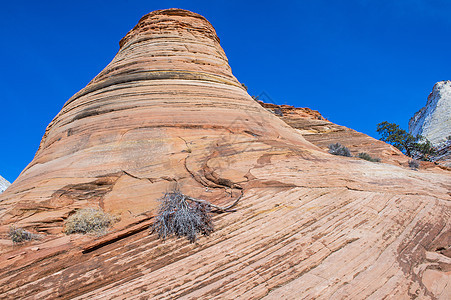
x=3 y=184
x=434 y=120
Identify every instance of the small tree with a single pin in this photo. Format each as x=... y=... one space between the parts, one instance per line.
x=413 y=146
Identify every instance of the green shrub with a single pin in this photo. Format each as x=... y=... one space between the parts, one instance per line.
x=414 y=146
x=181 y=216
x=89 y=220
x=366 y=156
x=20 y=235
x=339 y=149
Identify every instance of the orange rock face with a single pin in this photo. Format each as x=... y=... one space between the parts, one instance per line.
x=168 y=112
x=320 y=132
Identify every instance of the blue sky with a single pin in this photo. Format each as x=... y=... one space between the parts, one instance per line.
x=358 y=62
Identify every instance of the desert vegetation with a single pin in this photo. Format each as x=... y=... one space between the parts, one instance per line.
x=414 y=164
x=339 y=149
x=181 y=217
x=89 y=221
x=417 y=147
x=20 y=235
x=366 y=156
x=184 y=216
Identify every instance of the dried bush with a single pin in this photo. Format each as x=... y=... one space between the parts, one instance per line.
x=182 y=216
x=366 y=156
x=278 y=111
x=339 y=149
x=414 y=164
x=89 y=220
x=20 y=235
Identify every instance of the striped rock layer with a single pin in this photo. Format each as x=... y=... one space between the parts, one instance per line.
x=167 y=112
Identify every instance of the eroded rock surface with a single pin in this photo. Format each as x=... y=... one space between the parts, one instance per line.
x=167 y=112
x=321 y=132
x=4 y=184
x=434 y=120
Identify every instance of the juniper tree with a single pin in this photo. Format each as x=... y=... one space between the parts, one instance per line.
x=412 y=146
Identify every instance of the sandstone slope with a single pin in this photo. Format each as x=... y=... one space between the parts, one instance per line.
x=167 y=111
x=321 y=132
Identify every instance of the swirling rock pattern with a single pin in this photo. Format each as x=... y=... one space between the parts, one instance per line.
x=168 y=112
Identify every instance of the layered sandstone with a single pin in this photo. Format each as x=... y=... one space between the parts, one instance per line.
x=321 y=132
x=167 y=112
x=165 y=106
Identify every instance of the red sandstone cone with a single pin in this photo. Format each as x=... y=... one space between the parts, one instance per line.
x=168 y=96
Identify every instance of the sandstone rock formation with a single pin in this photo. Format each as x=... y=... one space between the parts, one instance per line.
x=434 y=120
x=167 y=111
x=321 y=132
x=442 y=154
x=4 y=184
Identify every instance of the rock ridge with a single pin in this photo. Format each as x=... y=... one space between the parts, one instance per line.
x=321 y=132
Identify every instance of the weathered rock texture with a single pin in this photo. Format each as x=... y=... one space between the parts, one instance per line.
x=320 y=132
x=442 y=154
x=4 y=184
x=167 y=110
x=434 y=120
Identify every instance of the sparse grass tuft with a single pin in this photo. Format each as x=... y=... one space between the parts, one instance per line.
x=179 y=216
x=339 y=149
x=89 y=220
x=20 y=235
x=366 y=156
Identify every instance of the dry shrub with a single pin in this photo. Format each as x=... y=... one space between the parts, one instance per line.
x=414 y=164
x=366 y=156
x=339 y=149
x=20 y=235
x=182 y=217
x=89 y=220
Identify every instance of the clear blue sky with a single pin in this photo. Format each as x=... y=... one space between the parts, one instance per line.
x=358 y=62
